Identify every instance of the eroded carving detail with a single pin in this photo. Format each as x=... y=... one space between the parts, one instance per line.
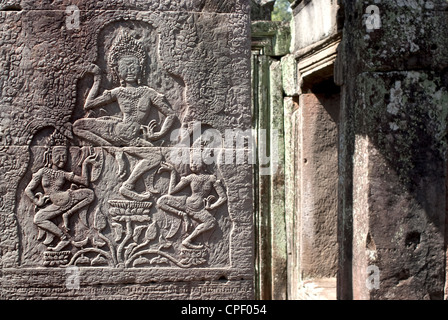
x=56 y=200
x=199 y=205
x=197 y=59
x=127 y=60
x=123 y=228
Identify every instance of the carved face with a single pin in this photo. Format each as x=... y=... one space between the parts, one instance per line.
x=59 y=156
x=196 y=164
x=129 y=69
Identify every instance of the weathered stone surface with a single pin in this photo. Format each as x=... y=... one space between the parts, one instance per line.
x=101 y=126
x=291 y=79
x=400 y=224
x=321 y=289
x=388 y=177
x=318 y=210
x=292 y=195
x=311 y=146
x=218 y=6
x=261 y=9
x=260 y=71
x=313 y=21
x=392 y=199
x=269 y=39
x=273 y=36
x=277 y=192
x=412 y=35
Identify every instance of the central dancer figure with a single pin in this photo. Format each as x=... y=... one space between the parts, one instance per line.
x=127 y=60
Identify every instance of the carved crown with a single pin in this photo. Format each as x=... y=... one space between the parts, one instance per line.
x=125 y=45
x=58 y=139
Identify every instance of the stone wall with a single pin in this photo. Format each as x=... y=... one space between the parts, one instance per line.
x=113 y=183
x=311 y=154
x=393 y=155
x=313 y=21
x=319 y=157
x=270 y=41
x=106 y=105
x=364 y=164
x=296 y=213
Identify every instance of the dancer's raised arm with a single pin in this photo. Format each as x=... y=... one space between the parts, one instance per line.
x=93 y=101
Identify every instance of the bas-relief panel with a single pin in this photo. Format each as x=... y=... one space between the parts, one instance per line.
x=97 y=183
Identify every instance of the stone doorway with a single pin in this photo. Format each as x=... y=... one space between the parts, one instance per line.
x=296 y=207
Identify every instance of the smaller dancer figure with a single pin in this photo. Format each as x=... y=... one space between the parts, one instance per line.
x=56 y=201
x=198 y=205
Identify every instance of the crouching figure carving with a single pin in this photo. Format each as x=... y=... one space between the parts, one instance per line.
x=199 y=205
x=57 y=201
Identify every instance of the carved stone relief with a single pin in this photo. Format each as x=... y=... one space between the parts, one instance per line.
x=131 y=228
x=89 y=158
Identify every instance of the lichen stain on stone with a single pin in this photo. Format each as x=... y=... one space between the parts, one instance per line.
x=396 y=99
x=412 y=119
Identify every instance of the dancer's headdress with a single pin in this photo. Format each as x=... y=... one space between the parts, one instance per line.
x=125 y=45
x=57 y=139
